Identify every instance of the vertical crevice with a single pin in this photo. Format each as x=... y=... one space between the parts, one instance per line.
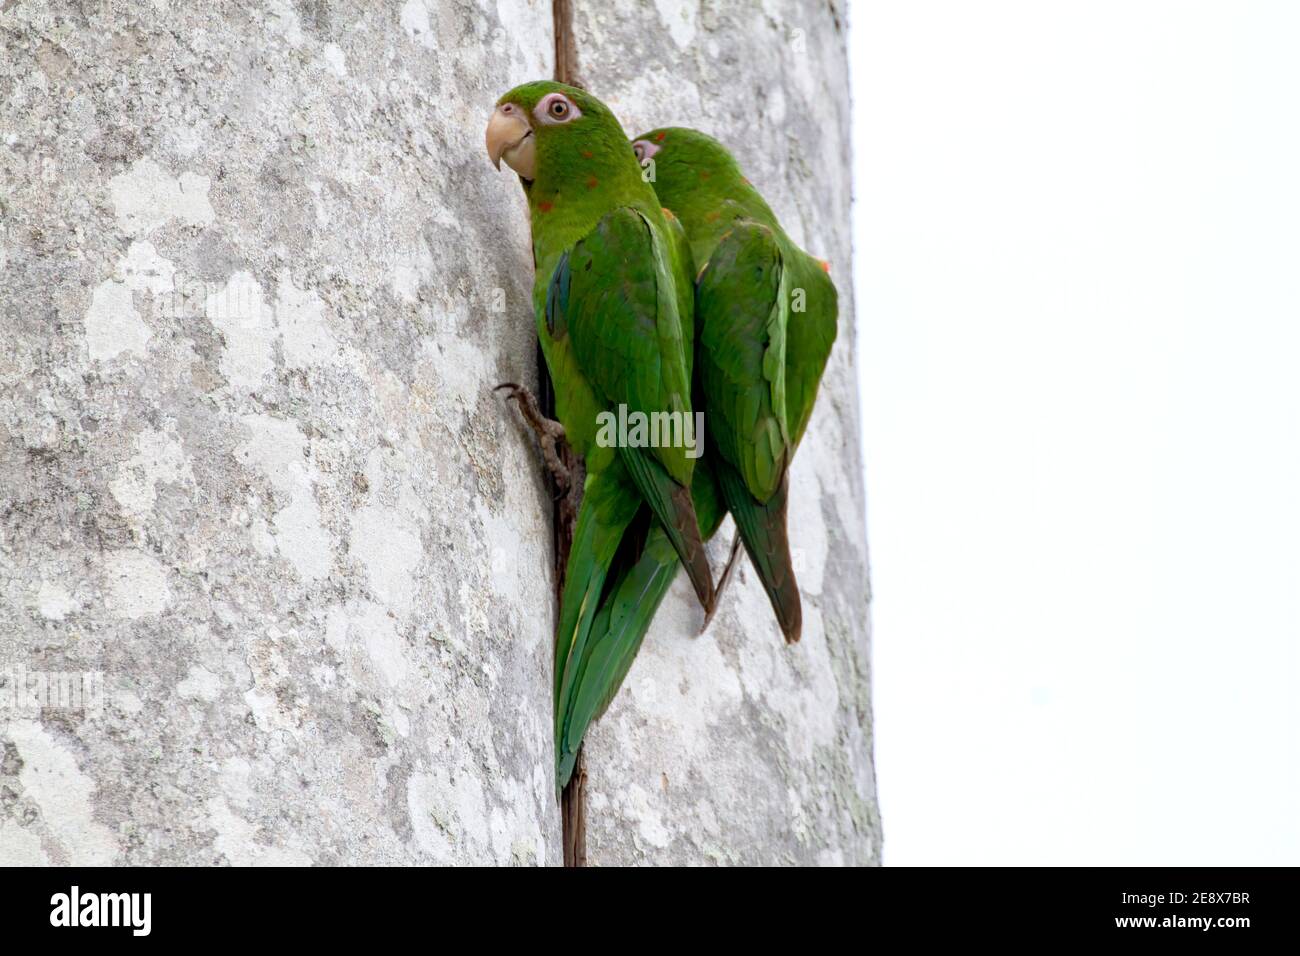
x=566 y=46
x=573 y=800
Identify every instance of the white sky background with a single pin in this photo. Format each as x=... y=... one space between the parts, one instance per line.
x=1077 y=240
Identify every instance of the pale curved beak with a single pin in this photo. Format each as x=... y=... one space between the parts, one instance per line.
x=509 y=137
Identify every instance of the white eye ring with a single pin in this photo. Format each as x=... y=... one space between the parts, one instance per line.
x=645 y=150
x=556 y=108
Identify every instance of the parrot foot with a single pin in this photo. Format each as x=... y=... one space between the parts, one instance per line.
x=722 y=583
x=549 y=432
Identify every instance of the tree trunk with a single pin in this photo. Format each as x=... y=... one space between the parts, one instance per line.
x=257 y=281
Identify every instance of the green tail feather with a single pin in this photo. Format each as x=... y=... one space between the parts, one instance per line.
x=615 y=637
x=763 y=530
x=608 y=506
x=672 y=505
x=641 y=576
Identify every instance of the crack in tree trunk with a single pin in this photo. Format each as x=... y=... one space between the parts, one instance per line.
x=566 y=46
x=573 y=799
x=573 y=809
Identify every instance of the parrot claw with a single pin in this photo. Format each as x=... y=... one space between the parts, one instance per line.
x=722 y=583
x=549 y=433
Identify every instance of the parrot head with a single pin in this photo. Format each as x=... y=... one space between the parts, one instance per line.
x=686 y=163
x=552 y=133
x=699 y=180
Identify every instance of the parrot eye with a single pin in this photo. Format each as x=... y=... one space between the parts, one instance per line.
x=556 y=108
x=644 y=150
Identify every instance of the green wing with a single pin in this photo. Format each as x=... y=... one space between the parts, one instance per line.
x=621 y=311
x=742 y=316
x=760 y=360
x=614 y=296
x=810 y=334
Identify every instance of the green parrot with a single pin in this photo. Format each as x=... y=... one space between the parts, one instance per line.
x=614 y=304
x=765 y=313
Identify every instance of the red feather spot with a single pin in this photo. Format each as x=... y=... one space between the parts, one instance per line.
x=660 y=137
x=545 y=206
x=704 y=174
x=668 y=213
x=592 y=183
x=586 y=154
x=826 y=266
x=713 y=216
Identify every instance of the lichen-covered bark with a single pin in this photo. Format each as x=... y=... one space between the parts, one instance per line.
x=257 y=280
x=732 y=747
x=250 y=462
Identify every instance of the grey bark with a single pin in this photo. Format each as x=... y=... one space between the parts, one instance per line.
x=257 y=280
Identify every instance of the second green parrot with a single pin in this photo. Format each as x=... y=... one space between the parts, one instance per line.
x=765 y=313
